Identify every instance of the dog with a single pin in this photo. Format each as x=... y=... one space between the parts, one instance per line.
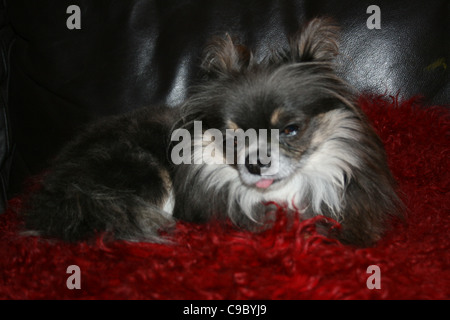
x=134 y=175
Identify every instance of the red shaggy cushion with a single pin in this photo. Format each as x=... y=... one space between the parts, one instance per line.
x=213 y=261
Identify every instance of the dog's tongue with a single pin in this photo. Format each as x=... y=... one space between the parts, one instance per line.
x=264 y=183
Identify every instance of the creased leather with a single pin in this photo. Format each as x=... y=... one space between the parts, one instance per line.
x=134 y=53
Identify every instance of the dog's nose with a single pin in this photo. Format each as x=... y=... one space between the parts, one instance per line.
x=255 y=168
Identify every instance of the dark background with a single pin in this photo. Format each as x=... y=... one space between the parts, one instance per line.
x=135 y=53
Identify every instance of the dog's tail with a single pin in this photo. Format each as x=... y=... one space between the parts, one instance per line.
x=71 y=211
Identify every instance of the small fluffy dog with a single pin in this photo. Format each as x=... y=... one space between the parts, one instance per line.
x=119 y=176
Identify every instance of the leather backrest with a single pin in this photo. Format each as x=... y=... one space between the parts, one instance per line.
x=133 y=53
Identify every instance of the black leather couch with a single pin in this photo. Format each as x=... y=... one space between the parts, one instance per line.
x=131 y=53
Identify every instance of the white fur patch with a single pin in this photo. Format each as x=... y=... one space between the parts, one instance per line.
x=170 y=203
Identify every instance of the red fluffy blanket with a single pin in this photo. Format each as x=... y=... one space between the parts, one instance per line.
x=213 y=261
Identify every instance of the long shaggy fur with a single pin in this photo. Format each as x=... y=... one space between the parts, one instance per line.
x=117 y=176
x=114 y=177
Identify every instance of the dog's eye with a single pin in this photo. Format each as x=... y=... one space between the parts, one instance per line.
x=290 y=130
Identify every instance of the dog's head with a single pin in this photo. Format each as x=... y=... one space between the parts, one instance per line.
x=284 y=129
x=272 y=114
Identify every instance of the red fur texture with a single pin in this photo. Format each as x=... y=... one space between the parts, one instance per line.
x=213 y=261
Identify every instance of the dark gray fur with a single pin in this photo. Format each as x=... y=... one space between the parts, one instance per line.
x=110 y=178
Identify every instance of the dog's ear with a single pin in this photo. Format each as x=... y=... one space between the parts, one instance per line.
x=317 y=41
x=224 y=57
